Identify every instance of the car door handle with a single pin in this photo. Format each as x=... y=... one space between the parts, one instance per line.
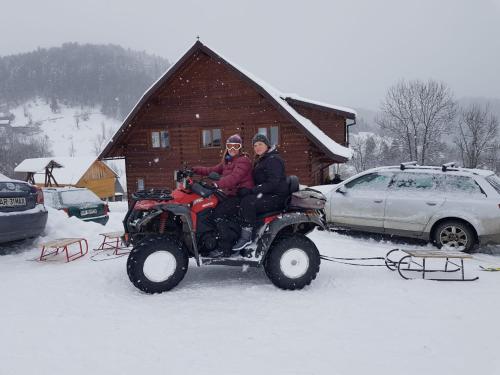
x=431 y=203
x=378 y=200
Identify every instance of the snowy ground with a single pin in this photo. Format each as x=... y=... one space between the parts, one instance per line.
x=85 y=317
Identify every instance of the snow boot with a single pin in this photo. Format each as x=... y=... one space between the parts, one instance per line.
x=217 y=253
x=245 y=239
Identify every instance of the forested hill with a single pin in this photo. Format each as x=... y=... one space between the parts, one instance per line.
x=109 y=76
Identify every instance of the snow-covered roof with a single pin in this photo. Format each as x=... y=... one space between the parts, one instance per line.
x=36 y=165
x=70 y=171
x=314 y=133
x=320 y=104
x=4 y=177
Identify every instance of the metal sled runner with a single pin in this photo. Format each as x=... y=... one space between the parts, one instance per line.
x=415 y=264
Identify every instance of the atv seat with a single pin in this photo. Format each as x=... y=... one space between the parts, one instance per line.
x=293 y=186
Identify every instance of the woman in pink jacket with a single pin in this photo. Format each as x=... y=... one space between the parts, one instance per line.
x=235 y=170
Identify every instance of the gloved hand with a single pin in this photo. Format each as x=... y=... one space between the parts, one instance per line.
x=210 y=183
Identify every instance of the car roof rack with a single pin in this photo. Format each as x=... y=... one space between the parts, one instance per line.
x=451 y=166
x=403 y=166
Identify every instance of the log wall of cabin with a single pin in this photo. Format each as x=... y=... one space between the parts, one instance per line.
x=206 y=94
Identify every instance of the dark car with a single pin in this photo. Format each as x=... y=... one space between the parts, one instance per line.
x=79 y=202
x=22 y=211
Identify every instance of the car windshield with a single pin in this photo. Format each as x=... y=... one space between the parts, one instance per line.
x=79 y=196
x=494 y=181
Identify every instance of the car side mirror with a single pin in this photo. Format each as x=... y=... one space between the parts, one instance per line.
x=341 y=190
x=214 y=176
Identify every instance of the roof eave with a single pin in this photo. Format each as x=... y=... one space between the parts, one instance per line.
x=349 y=115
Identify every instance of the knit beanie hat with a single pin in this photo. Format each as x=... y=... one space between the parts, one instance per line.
x=261 y=138
x=235 y=138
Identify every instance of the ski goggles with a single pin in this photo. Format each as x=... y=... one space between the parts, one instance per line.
x=233 y=146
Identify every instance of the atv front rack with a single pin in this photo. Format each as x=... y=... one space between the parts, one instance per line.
x=153 y=194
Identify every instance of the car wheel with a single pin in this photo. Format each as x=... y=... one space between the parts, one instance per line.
x=292 y=262
x=454 y=234
x=157 y=265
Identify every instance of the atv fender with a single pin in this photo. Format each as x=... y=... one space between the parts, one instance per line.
x=288 y=222
x=184 y=213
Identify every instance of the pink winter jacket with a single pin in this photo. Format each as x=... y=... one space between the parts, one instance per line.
x=235 y=174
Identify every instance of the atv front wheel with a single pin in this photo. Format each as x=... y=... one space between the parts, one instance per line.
x=292 y=262
x=156 y=265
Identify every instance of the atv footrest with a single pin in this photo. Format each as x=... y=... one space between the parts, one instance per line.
x=229 y=262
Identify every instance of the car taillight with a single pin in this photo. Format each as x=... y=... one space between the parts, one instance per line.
x=66 y=210
x=39 y=196
x=106 y=209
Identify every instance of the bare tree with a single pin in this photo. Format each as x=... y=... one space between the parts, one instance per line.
x=72 y=151
x=477 y=135
x=14 y=148
x=102 y=138
x=367 y=151
x=416 y=114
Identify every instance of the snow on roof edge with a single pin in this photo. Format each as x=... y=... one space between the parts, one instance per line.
x=322 y=104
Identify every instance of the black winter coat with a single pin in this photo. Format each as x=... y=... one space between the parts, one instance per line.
x=269 y=174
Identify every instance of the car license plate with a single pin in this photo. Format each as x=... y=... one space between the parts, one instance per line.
x=12 y=202
x=88 y=212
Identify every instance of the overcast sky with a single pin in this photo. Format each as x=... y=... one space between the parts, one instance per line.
x=341 y=52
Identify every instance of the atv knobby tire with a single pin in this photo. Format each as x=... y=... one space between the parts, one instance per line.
x=157 y=264
x=292 y=262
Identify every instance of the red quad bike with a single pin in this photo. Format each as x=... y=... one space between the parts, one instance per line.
x=166 y=228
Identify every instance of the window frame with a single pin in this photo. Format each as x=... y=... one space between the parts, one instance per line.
x=268 y=133
x=143 y=183
x=211 y=130
x=159 y=131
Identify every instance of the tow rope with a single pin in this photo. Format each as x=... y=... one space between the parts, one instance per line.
x=343 y=261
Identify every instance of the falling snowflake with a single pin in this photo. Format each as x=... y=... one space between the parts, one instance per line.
x=197 y=115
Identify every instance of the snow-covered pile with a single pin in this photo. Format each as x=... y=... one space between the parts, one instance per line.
x=86 y=317
x=69 y=130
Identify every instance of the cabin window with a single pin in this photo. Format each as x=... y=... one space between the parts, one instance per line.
x=211 y=138
x=272 y=133
x=140 y=184
x=160 y=139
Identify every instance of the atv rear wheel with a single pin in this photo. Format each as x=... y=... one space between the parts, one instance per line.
x=157 y=265
x=292 y=262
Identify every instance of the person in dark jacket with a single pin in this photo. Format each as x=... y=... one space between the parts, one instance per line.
x=235 y=170
x=270 y=192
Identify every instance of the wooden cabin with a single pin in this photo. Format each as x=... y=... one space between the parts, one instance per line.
x=85 y=172
x=186 y=116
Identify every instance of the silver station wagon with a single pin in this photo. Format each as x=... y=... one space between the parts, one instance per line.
x=453 y=207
